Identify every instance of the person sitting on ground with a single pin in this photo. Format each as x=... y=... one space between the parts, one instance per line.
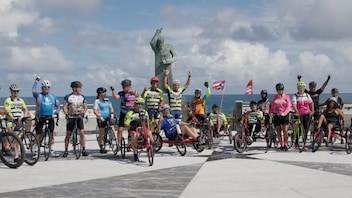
x=330 y=117
x=254 y=119
x=171 y=126
x=217 y=119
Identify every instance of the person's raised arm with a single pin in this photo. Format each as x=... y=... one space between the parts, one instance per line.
x=208 y=92
x=154 y=41
x=188 y=79
x=325 y=83
x=114 y=94
x=35 y=93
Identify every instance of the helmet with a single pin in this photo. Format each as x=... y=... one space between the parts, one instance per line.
x=154 y=79
x=312 y=84
x=279 y=86
x=215 y=106
x=176 y=82
x=138 y=100
x=14 y=87
x=253 y=103
x=332 y=99
x=126 y=82
x=301 y=84
x=76 y=84
x=198 y=90
x=101 y=90
x=264 y=91
x=46 y=83
x=166 y=106
x=334 y=90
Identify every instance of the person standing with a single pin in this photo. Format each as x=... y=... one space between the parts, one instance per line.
x=75 y=106
x=264 y=106
x=198 y=104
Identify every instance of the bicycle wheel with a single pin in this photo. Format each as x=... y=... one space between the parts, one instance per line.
x=269 y=138
x=317 y=139
x=239 y=142
x=32 y=146
x=209 y=137
x=113 y=141
x=46 y=144
x=290 y=139
x=150 y=154
x=123 y=148
x=76 y=143
x=301 y=137
x=229 y=132
x=158 y=141
x=198 y=146
x=180 y=145
x=348 y=142
x=9 y=144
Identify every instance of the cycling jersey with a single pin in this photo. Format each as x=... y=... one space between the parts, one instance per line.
x=169 y=124
x=103 y=107
x=315 y=97
x=127 y=100
x=302 y=102
x=264 y=105
x=254 y=116
x=175 y=98
x=45 y=103
x=75 y=104
x=280 y=104
x=14 y=107
x=199 y=103
x=133 y=119
x=214 y=116
x=153 y=98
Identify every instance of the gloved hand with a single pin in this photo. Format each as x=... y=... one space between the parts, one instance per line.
x=102 y=119
x=112 y=116
x=37 y=78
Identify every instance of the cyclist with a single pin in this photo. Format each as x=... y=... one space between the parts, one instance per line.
x=331 y=117
x=175 y=94
x=154 y=99
x=171 y=126
x=104 y=111
x=15 y=108
x=314 y=94
x=254 y=120
x=45 y=104
x=133 y=124
x=303 y=106
x=127 y=97
x=217 y=119
x=198 y=104
x=264 y=106
x=280 y=107
x=75 y=105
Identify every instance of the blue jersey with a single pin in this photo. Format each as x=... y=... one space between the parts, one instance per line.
x=103 y=107
x=169 y=124
x=45 y=103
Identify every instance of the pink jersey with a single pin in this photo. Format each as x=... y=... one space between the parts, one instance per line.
x=280 y=104
x=302 y=102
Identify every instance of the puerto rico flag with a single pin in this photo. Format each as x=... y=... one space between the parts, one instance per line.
x=219 y=85
x=249 y=88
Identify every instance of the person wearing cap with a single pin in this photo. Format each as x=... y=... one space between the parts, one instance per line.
x=47 y=105
x=127 y=97
x=75 y=105
x=315 y=93
x=264 y=106
x=171 y=126
x=175 y=94
x=255 y=119
x=154 y=99
x=331 y=117
x=303 y=106
x=217 y=119
x=198 y=104
x=104 y=112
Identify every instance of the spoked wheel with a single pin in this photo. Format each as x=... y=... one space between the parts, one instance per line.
x=46 y=145
x=317 y=139
x=180 y=145
x=198 y=146
x=32 y=146
x=301 y=138
x=269 y=137
x=9 y=143
x=290 y=139
x=209 y=138
x=150 y=154
x=348 y=142
x=76 y=143
x=158 y=141
x=123 y=148
x=113 y=141
x=240 y=142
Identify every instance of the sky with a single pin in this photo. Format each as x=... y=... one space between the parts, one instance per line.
x=102 y=42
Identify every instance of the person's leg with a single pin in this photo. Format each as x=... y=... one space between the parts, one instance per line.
x=329 y=128
x=134 y=143
x=120 y=129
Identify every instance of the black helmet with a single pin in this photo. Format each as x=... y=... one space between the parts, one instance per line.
x=101 y=90
x=253 y=103
x=334 y=90
x=215 y=106
x=264 y=91
x=126 y=82
x=279 y=86
x=312 y=84
x=76 y=84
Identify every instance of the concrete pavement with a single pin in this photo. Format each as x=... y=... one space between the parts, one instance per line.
x=220 y=172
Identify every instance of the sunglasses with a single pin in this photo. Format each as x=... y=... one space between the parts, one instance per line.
x=46 y=87
x=16 y=91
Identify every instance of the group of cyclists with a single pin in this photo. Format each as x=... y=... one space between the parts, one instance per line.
x=304 y=104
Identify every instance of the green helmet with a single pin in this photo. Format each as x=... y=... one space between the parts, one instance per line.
x=138 y=100
x=301 y=84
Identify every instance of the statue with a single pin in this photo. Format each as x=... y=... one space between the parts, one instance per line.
x=165 y=55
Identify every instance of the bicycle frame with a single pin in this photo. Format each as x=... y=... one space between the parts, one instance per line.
x=298 y=135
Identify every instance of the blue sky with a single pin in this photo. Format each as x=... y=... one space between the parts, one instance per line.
x=102 y=42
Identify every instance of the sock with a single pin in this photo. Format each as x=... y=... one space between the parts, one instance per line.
x=281 y=143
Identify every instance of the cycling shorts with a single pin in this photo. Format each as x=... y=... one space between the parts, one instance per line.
x=70 y=124
x=279 y=120
x=40 y=124
x=122 y=119
x=102 y=124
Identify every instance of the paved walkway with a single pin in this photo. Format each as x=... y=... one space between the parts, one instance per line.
x=220 y=172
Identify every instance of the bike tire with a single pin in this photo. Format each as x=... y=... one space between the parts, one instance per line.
x=30 y=142
x=113 y=141
x=7 y=142
x=317 y=139
x=209 y=138
x=229 y=132
x=150 y=154
x=269 y=138
x=239 y=142
x=123 y=148
x=301 y=137
x=290 y=139
x=348 y=142
x=158 y=141
x=46 y=144
x=76 y=143
x=180 y=145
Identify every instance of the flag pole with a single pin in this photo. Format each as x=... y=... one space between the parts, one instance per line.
x=222 y=98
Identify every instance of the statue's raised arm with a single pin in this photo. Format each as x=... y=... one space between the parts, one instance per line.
x=165 y=55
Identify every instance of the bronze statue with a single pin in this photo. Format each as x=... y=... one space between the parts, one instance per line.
x=165 y=55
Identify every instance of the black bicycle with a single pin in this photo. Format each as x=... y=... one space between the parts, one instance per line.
x=76 y=137
x=11 y=145
x=109 y=136
x=45 y=140
x=30 y=142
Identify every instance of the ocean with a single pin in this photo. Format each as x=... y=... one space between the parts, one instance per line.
x=227 y=102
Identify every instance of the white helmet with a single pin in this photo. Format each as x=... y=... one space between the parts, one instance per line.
x=14 y=87
x=46 y=83
x=166 y=106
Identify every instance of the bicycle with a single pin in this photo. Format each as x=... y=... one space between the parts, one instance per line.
x=10 y=144
x=30 y=143
x=153 y=124
x=319 y=137
x=298 y=134
x=109 y=136
x=178 y=140
x=75 y=137
x=271 y=135
x=45 y=140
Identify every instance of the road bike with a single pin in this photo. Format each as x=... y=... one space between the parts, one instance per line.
x=109 y=136
x=271 y=135
x=76 y=137
x=30 y=142
x=45 y=140
x=297 y=136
